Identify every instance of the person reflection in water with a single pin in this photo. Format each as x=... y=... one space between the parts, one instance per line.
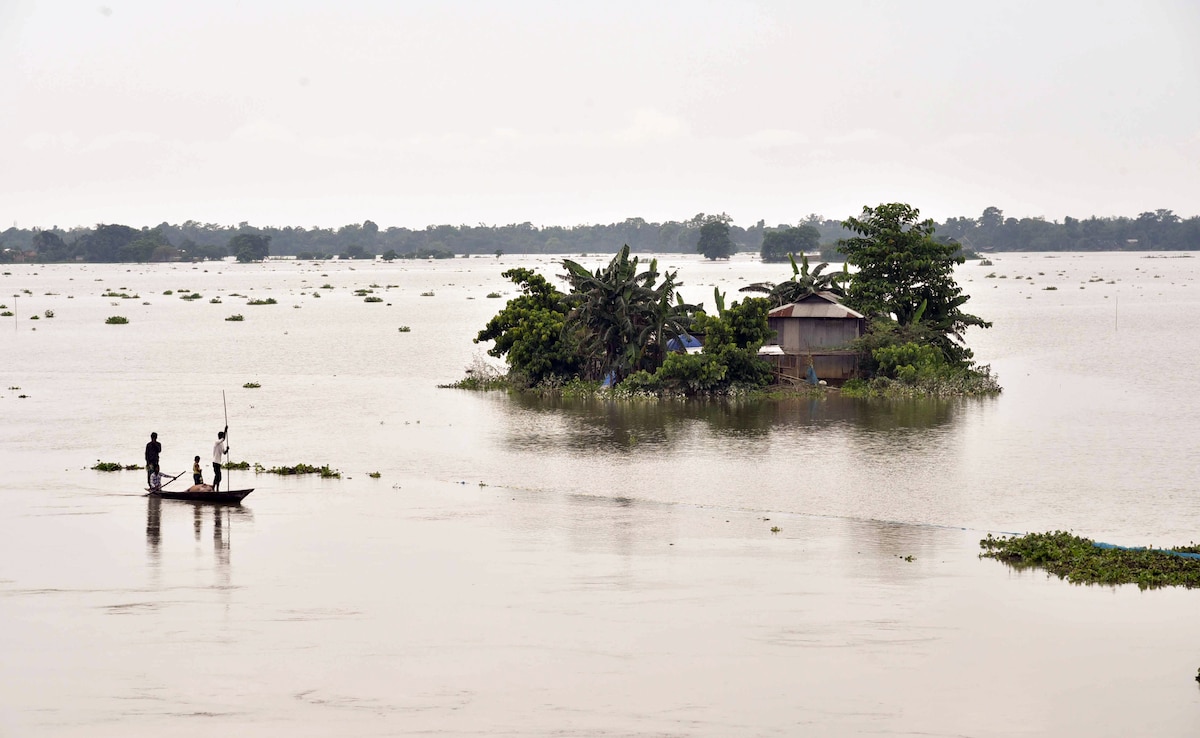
x=153 y=449
x=219 y=449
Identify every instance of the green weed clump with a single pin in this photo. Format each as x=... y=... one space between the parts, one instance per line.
x=251 y=385
x=1080 y=561
x=268 y=301
x=372 y=299
x=116 y=320
x=112 y=466
x=235 y=318
x=324 y=471
x=236 y=465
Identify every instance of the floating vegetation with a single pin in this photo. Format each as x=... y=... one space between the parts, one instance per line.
x=6 y=314
x=362 y=292
x=316 y=294
x=427 y=294
x=985 y=262
x=1083 y=561
x=193 y=296
x=251 y=385
x=49 y=313
x=236 y=465
x=116 y=320
x=268 y=301
x=235 y=318
x=372 y=298
x=990 y=276
x=493 y=295
x=324 y=470
x=326 y=286
x=404 y=329
x=122 y=295
x=168 y=292
x=34 y=317
x=373 y=475
x=1051 y=287
x=112 y=466
x=215 y=301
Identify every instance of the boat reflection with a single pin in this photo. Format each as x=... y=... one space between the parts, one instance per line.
x=170 y=514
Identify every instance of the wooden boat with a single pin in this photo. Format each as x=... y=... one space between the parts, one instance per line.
x=202 y=493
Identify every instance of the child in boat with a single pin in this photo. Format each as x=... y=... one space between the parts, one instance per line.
x=197 y=477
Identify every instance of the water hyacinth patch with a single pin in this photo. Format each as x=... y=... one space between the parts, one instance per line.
x=1081 y=561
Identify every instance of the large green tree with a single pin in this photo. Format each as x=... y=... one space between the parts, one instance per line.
x=904 y=273
x=778 y=244
x=106 y=242
x=531 y=332
x=715 y=242
x=250 y=246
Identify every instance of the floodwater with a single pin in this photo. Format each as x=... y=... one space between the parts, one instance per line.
x=531 y=568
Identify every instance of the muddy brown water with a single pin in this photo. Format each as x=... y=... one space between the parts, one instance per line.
x=575 y=567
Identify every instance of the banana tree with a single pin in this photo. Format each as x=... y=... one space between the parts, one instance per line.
x=624 y=315
x=803 y=283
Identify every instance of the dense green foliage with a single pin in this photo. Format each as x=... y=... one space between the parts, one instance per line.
x=715 y=241
x=779 y=244
x=531 y=334
x=622 y=316
x=729 y=361
x=906 y=275
x=249 y=247
x=192 y=240
x=1080 y=561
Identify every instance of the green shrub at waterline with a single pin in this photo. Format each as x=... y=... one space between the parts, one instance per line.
x=324 y=471
x=1080 y=561
x=116 y=320
x=112 y=466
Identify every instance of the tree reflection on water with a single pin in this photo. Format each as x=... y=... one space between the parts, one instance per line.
x=591 y=424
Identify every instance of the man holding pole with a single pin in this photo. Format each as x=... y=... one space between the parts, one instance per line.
x=219 y=449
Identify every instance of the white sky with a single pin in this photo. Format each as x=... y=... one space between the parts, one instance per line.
x=308 y=112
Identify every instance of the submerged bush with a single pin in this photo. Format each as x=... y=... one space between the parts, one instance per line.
x=116 y=320
x=112 y=466
x=235 y=318
x=268 y=301
x=324 y=470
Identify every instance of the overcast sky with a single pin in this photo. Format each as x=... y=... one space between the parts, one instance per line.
x=307 y=112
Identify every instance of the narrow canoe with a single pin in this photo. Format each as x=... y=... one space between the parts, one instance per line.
x=227 y=497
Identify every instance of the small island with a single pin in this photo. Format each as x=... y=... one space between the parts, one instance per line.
x=892 y=327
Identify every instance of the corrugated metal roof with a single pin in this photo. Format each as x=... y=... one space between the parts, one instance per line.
x=821 y=305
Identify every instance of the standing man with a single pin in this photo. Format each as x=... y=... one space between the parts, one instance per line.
x=219 y=449
x=153 y=449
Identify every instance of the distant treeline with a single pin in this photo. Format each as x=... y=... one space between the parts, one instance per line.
x=1160 y=230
